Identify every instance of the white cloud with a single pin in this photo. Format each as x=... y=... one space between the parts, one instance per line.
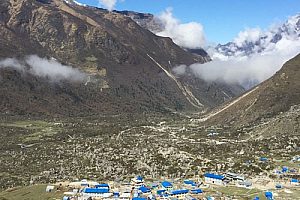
x=50 y=69
x=179 y=70
x=247 y=70
x=251 y=64
x=248 y=35
x=186 y=35
x=109 y=4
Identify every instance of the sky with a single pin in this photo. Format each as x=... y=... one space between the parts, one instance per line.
x=222 y=20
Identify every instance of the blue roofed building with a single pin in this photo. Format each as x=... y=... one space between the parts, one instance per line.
x=196 y=191
x=96 y=192
x=137 y=182
x=179 y=194
x=102 y=186
x=139 y=198
x=269 y=195
x=285 y=169
x=167 y=185
x=295 y=181
x=144 y=189
x=190 y=183
x=263 y=159
x=214 y=179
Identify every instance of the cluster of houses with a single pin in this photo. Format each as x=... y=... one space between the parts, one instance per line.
x=163 y=190
x=136 y=190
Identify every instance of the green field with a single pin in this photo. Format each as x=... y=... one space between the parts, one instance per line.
x=35 y=192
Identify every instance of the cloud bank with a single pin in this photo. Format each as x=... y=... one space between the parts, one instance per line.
x=187 y=35
x=109 y=4
x=50 y=69
x=252 y=57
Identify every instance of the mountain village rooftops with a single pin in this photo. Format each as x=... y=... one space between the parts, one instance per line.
x=95 y=190
x=181 y=191
x=144 y=189
x=214 y=176
x=139 y=198
x=196 y=191
x=190 y=182
x=102 y=185
x=166 y=184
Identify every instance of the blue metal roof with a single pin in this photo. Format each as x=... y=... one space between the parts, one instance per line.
x=214 y=176
x=182 y=191
x=188 y=182
x=95 y=190
x=144 y=189
x=102 y=185
x=139 y=178
x=269 y=195
x=196 y=191
x=166 y=184
x=295 y=181
x=116 y=194
x=139 y=198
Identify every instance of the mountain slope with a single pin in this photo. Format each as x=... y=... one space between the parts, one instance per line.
x=274 y=97
x=125 y=63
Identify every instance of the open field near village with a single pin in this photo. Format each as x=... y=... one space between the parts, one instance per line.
x=118 y=148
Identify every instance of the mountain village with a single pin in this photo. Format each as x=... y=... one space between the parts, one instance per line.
x=205 y=187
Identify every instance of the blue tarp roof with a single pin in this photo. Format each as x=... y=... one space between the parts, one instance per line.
x=295 y=181
x=166 y=184
x=285 y=169
x=215 y=176
x=263 y=159
x=139 y=178
x=183 y=191
x=102 y=185
x=269 y=195
x=139 y=198
x=144 y=189
x=196 y=191
x=188 y=182
x=95 y=190
x=256 y=198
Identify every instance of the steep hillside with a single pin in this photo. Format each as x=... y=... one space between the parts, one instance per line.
x=277 y=96
x=129 y=69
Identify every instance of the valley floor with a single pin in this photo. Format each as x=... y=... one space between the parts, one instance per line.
x=117 y=148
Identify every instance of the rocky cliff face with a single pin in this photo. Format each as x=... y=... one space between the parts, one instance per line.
x=129 y=69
